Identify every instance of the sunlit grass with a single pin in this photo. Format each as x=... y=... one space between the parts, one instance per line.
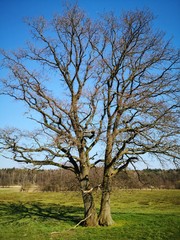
x=138 y=214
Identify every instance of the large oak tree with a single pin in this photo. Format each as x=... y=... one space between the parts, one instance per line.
x=102 y=91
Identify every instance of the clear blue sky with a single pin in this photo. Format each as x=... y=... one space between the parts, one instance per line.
x=14 y=33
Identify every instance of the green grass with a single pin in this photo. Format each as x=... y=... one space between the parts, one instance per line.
x=138 y=214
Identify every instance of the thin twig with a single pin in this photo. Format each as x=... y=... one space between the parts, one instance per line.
x=82 y=221
x=74 y=226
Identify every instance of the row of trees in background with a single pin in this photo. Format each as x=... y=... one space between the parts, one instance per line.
x=61 y=180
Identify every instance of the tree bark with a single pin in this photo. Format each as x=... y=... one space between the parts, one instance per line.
x=90 y=214
x=105 y=218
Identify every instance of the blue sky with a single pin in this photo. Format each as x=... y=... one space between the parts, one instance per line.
x=14 y=33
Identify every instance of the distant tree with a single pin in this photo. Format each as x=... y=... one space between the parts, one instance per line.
x=102 y=92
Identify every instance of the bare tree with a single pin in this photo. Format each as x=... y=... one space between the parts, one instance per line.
x=53 y=77
x=103 y=91
x=140 y=94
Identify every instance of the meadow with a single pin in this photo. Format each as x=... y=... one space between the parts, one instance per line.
x=138 y=214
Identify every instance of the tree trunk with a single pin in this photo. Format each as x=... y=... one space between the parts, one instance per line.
x=105 y=218
x=90 y=214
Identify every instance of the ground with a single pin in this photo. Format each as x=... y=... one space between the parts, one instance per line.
x=138 y=214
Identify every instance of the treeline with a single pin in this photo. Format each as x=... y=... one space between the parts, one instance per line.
x=62 y=180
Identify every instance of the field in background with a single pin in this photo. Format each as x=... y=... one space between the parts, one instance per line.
x=138 y=214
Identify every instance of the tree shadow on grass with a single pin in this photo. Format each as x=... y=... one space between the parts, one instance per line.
x=11 y=212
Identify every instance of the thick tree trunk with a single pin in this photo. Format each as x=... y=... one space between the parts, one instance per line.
x=90 y=214
x=105 y=218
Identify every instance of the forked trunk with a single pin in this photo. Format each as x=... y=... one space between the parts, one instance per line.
x=105 y=218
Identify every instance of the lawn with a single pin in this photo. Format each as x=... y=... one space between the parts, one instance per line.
x=138 y=214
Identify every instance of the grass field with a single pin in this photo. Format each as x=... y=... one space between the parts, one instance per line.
x=138 y=215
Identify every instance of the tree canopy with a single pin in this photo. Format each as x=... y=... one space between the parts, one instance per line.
x=102 y=91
